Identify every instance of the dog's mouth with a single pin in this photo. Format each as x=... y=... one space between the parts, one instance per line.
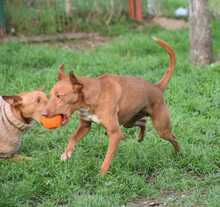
x=65 y=118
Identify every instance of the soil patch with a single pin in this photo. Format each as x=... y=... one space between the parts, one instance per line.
x=146 y=203
x=66 y=40
x=169 y=23
x=82 y=44
x=164 y=201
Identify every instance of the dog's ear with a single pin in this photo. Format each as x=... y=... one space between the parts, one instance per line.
x=13 y=100
x=61 y=73
x=73 y=78
x=75 y=82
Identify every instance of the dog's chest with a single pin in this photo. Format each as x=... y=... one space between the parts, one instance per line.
x=85 y=114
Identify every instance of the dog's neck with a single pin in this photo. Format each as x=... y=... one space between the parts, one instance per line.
x=19 y=115
x=91 y=92
x=14 y=117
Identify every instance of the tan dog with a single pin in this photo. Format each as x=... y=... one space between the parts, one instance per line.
x=112 y=100
x=16 y=114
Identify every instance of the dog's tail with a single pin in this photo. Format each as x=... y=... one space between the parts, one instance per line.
x=162 y=84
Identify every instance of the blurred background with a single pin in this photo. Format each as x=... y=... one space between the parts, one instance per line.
x=56 y=16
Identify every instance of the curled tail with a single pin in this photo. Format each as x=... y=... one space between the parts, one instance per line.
x=162 y=84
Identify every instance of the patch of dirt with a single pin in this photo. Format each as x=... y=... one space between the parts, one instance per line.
x=146 y=203
x=84 y=43
x=169 y=23
x=165 y=199
x=77 y=41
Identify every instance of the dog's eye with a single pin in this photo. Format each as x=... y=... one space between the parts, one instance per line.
x=58 y=95
x=38 y=99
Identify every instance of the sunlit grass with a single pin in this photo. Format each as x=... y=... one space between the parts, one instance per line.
x=149 y=169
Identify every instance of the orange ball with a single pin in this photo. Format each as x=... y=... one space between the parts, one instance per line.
x=51 y=122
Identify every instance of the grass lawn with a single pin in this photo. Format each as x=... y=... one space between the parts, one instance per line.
x=148 y=170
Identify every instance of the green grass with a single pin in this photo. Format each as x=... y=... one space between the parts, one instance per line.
x=148 y=170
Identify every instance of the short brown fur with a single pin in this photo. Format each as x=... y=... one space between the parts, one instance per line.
x=115 y=100
x=25 y=107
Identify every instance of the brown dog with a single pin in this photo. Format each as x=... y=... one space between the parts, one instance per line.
x=16 y=114
x=112 y=100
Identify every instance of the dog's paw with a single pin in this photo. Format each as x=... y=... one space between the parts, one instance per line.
x=66 y=156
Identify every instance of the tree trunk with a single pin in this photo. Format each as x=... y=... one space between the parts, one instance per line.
x=69 y=10
x=155 y=7
x=200 y=32
x=2 y=19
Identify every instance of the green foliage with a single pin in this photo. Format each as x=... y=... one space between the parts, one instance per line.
x=214 y=7
x=150 y=169
x=48 y=17
x=103 y=16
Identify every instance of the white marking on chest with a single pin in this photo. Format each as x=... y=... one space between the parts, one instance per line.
x=85 y=114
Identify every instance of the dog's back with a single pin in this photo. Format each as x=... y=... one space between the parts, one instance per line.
x=136 y=94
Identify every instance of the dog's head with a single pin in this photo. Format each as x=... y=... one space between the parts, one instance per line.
x=65 y=96
x=29 y=105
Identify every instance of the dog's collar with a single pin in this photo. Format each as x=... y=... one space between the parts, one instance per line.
x=12 y=120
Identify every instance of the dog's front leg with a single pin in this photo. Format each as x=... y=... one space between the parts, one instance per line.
x=115 y=135
x=83 y=128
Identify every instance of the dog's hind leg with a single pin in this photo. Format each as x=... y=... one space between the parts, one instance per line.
x=162 y=124
x=141 y=123
x=141 y=133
